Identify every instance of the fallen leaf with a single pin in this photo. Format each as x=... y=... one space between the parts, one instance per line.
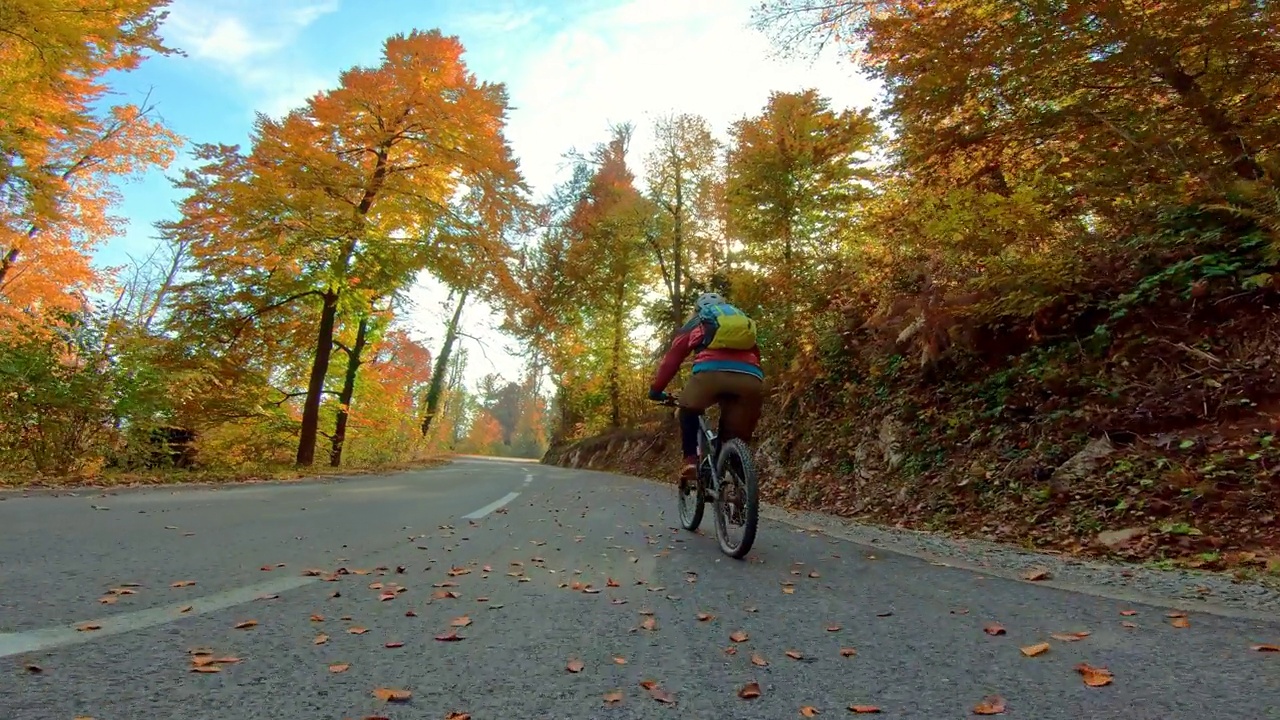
x=1128 y=613
x=1037 y=574
x=245 y=625
x=789 y=590
x=863 y=709
x=993 y=629
x=339 y=667
x=390 y=695
x=1127 y=624
x=749 y=691
x=87 y=627
x=757 y=660
x=393 y=644
x=410 y=613
x=620 y=661
x=227 y=660
x=610 y=582
x=612 y=697
x=809 y=711
x=320 y=639
x=34 y=669
x=886 y=613
x=793 y=654
x=1034 y=650
x=704 y=617
x=656 y=692
x=1175 y=614
x=455 y=716
x=206 y=668
x=848 y=652
x=186 y=609
x=1094 y=676
x=814 y=574
x=990 y=705
x=738 y=636
x=463 y=621
x=387 y=596
x=182 y=583
x=317 y=618
x=833 y=628
x=1070 y=637
x=108 y=599
x=649 y=624
x=451 y=636
x=1180 y=622
x=1266 y=648
x=574 y=666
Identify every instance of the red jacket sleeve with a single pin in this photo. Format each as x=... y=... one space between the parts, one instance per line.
x=681 y=344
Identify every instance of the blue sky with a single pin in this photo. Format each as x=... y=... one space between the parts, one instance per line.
x=571 y=67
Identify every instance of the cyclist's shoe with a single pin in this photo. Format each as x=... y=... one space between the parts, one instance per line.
x=689 y=471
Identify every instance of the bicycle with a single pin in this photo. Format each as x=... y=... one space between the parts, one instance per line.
x=730 y=484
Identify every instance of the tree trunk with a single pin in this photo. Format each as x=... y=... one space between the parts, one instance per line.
x=348 y=391
x=677 y=253
x=315 y=386
x=615 y=366
x=442 y=363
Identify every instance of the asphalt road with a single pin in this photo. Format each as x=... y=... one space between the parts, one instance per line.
x=917 y=629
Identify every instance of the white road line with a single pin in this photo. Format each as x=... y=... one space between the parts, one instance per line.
x=44 y=639
x=528 y=478
x=491 y=506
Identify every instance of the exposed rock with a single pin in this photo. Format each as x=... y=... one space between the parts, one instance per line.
x=891 y=432
x=1081 y=465
x=1112 y=539
x=802 y=485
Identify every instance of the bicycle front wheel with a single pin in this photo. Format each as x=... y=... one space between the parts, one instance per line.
x=737 y=501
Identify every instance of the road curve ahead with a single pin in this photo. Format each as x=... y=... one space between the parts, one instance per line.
x=500 y=590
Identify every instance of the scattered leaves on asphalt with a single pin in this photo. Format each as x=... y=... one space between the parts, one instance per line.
x=462 y=621
x=88 y=627
x=186 y=609
x=1094 y=676
x=1070 y=636
x=1266 y=648
x=848 y=652
x=861 y=709
x=990 y=705
x=246 y=624
x=1128 y=613
x=758 y=660
x=357 y=630
x=809 y=711
x=339 y=667
x=794 y=654
x=657 y=692
x=320 y=639
x=451 y=636
x=993 y=628
x=612 y=697
x=574 y=666
x=1180 y=622
x=393 y=644
x=649 y=624
x=749 y=691
x=458 y=716
x=833 y=628
x=1037 y=649
x=392 y=695
x=738 y=636
x=619 y=660
x=705 y=617
x=182 y=583
x=36 y=669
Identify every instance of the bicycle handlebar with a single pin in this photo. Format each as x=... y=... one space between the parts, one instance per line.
x=670 y=401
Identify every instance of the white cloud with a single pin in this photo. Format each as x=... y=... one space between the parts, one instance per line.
x=249 y=41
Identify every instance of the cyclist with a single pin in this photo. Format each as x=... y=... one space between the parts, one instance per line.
x=726 y=369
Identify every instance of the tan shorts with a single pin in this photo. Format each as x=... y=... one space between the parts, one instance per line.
x=740 y=396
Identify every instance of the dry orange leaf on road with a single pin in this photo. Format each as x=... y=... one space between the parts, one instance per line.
x=656 y=692
x=463 y=621
x=186 y=609
x=108 y=599
x=1175 y=614
x=451 y=636
x=993 y=629
x=1266 y=648
x=649 y=624
x=357 y=630
x=393 y=644
x=390 y=695
x=833 y=628
x=86 y=627
x=1127 y=624
x=387 y=596
x=612 y=697
x=246 y=624
x=1071 y=637
x=757 y=660
x=848 y=652
x=610 y=582
x=206 y=669
x=410 y=613
x=317 y=618
x=458 y=716
x=1128 y=613
x=788 y=590
x=990 y=705
x=443 y=594
x=320 y=639
x=814 y=574
x=738 y=636
x=793 y=654
x=620 y=661
x=1180 y=622
x=863 y=709
x=749 y=691
x=704 y=617
x=809 y=711
x=182 y=583
x=1094 y=676
x=455 y=572
x=339 y=667
x=574 y=666
x=1034 y=650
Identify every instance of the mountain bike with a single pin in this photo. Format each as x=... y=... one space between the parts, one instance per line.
x=730 y=484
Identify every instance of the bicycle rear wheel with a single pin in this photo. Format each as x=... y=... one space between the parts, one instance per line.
x=737 y=499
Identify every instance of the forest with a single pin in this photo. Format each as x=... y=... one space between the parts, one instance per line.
x=1030 y=294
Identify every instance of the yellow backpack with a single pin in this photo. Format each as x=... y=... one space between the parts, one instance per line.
x=725 y=327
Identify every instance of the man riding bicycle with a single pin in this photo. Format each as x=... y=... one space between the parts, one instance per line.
x=726 y=370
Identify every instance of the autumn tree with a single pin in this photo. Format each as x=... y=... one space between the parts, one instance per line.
x=401 y=168
x=62 y=146
x=684 y=177
x=795 y=177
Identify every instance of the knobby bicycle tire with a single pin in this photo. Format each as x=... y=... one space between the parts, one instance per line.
x=736 y=452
